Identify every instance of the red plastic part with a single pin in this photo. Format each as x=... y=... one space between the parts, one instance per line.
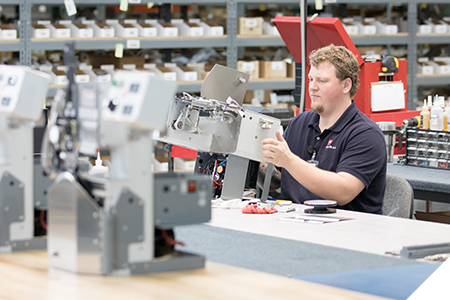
x=182 y=152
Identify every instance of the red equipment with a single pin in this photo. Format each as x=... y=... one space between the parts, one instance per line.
x=325 y=31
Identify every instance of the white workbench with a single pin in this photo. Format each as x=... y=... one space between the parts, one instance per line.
x=375 y=234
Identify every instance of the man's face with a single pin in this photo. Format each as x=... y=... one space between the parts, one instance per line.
x=324 y=87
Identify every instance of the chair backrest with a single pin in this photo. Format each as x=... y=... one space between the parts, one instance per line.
x=398 y=197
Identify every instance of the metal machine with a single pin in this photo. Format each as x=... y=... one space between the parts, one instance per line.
x=216 y=122
x=118 y=222
x=22 y=96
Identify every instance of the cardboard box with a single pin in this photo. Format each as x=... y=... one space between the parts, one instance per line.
x=101 y=29
x=162 y=72
x=250 y=67
x=425 y=68
x=212 y=29
x=251 y=26
x=59 y=77
x=81 y=76
x=123 y=29
x=439 y=217
x=438 y=26
x=256 y=97
x=199 y=68
x=96 y=75
x=7 y=32
x=188 y=29
x=349 y=26
x=425 y=28
x=164 y=28
x=386 y=28
x=184 y=73
x=39 y=31
x=290 y=69
x=146 y=29
x=366 y=28
x=440 y=67
x=272 y=69
x=98 y=60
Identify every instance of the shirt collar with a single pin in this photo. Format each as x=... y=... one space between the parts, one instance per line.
x=348 y=114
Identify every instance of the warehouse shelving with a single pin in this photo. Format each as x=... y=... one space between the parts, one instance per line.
x=232 y=41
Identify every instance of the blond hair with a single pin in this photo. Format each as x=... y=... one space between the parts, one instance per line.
x=343 y=60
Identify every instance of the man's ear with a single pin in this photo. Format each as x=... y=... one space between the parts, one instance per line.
x=346 y=85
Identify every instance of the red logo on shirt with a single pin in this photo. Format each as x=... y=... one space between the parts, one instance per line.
x=329 y=142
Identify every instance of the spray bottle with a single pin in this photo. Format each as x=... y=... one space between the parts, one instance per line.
x=425 y=116
x=98 y=168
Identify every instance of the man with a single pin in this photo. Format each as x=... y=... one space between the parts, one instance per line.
x=345 y=149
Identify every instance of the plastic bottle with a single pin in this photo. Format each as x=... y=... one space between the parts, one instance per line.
x=425 y=116
x=99 y=168
x=430 y=103
x=446 y=112
x=436 y=116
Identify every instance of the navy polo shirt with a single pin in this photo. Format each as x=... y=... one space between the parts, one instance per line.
x=354 y=144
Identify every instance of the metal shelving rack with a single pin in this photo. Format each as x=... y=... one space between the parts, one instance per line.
x=232 y=41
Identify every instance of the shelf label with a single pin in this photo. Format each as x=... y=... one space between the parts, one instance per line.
x=330 y=1
x=251 y=22
x=278 y=65
x=123 y=5
x=70 y=7
x=134 y=1
x=119 y=50
x=133 y=44
x=248 y=66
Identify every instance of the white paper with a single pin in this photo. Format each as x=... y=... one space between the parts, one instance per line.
x=387 y=96
x=70 y=7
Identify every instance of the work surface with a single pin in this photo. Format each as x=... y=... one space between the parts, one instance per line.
x=428 y=183
x=363 y=232
x=25 y=276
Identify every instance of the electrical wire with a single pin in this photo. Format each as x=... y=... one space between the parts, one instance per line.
x=169 y=240
x=42 y=219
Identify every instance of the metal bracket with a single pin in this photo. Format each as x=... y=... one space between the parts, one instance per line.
x=11 y=205
x=128 y=222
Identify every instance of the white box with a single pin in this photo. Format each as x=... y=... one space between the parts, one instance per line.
x=385 y=28
x=212 y=29
x=7 y=32
x=59 y=31
x=440 y=67
x=438 y=26
x=188 y=29
x=199 y=68
x=184 y=73
x=81 y=76
x=164 y=28
x=366 y=28
x=129 y=67
x=270 y=29
x=425 y=28
x=59 y=76
x=146 y=29
x=123 y=29
x=40 y=31
x=96 y=75
x=162 y=72
x=350 y=27
x=101 y=29
x=78 y=30
x=425 y=68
